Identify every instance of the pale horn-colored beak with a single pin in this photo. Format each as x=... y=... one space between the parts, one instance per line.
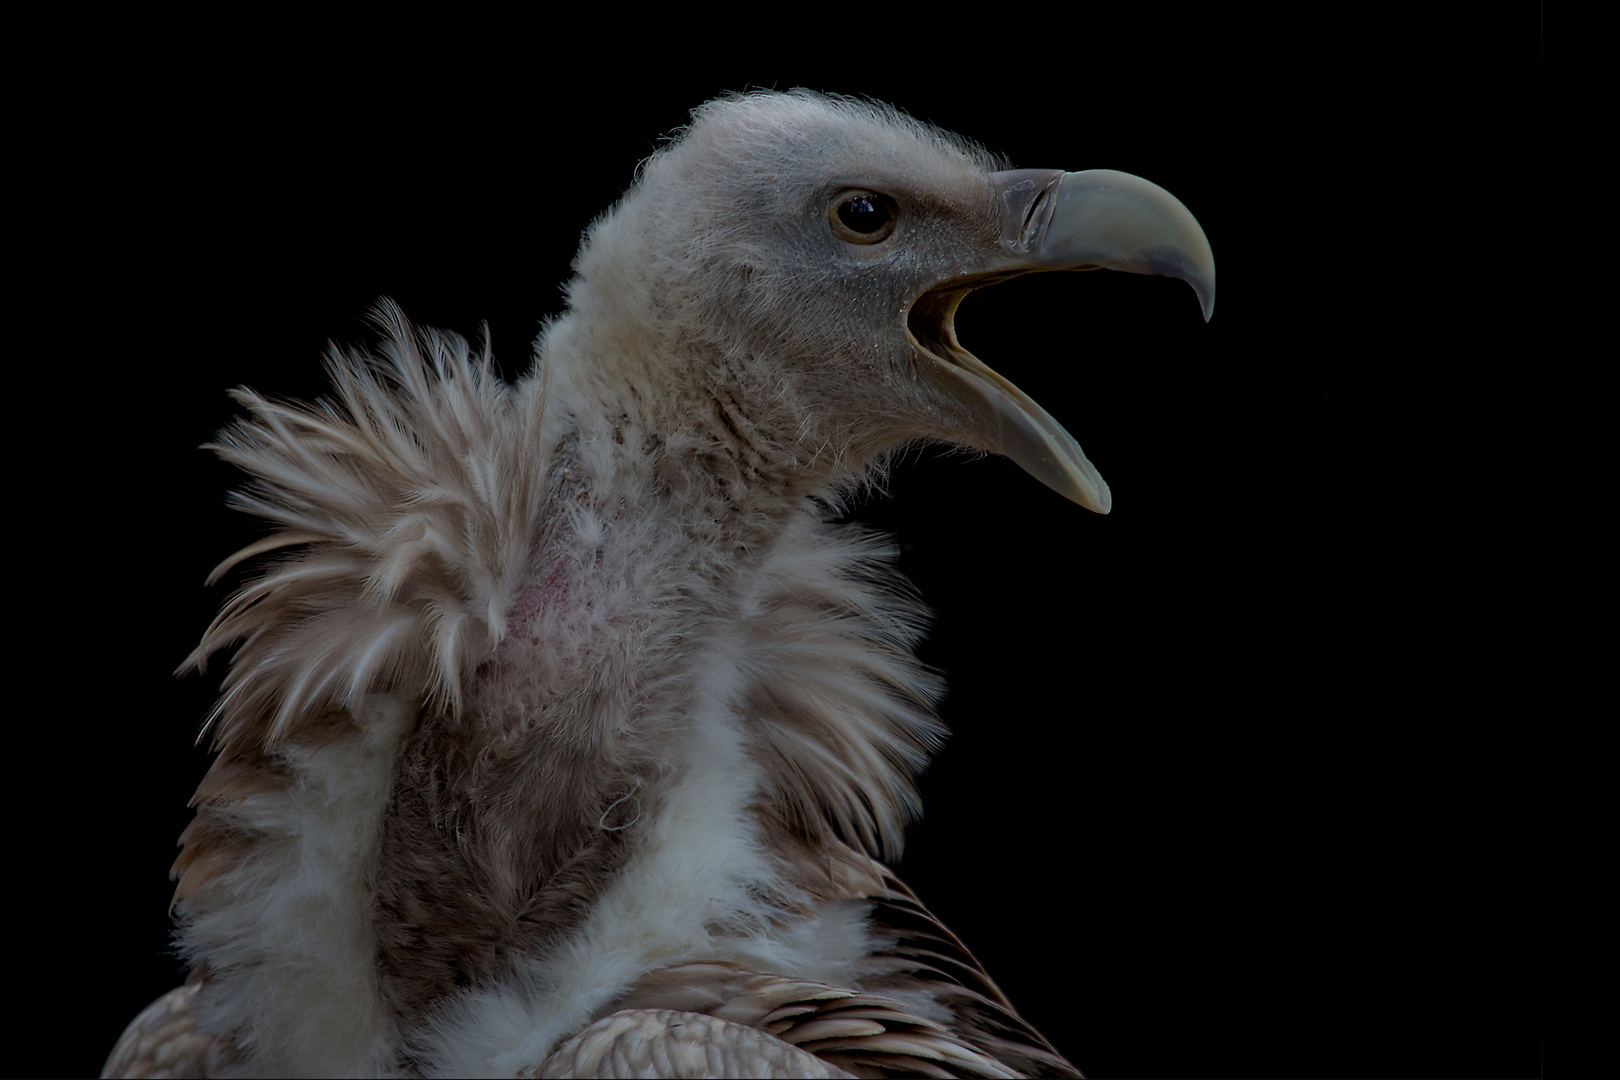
x=1102 y=218
x=1064 y=221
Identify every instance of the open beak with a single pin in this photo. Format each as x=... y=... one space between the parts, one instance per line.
x=1059 y=221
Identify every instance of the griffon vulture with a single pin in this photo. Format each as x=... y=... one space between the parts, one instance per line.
x=563 y=733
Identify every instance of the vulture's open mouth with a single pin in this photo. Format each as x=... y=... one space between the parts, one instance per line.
x=1019 y=427
x=1050 y=220
x=932 y=322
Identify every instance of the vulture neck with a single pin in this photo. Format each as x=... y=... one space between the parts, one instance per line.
x=715 y=444
x=609 y=746
x=645 y=707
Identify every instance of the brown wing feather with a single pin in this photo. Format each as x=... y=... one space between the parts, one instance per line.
x=926 y=955
x=163 y=1041
x=668 y=1043
x=864 y=1034
x=872 y=1032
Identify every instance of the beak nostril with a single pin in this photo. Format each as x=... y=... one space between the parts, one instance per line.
x=1027 y=232
x=1039 y=214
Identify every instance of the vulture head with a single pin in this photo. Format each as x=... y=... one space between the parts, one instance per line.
x=810 y=254
x=563 y=732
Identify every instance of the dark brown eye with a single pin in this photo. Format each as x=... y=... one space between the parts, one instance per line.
x=863 y=217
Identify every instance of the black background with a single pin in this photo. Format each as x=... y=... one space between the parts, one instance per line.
x=1243 y=781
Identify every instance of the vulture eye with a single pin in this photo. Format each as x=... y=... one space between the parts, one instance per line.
x=863 y=217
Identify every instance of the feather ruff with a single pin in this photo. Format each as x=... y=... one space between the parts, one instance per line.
x=402 y=509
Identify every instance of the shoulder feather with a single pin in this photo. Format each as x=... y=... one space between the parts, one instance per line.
x=841 y=713
x=401 y=508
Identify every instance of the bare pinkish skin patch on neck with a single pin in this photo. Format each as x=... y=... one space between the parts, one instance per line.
x=546 y=592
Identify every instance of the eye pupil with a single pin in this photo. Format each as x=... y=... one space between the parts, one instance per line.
x=864 y=214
